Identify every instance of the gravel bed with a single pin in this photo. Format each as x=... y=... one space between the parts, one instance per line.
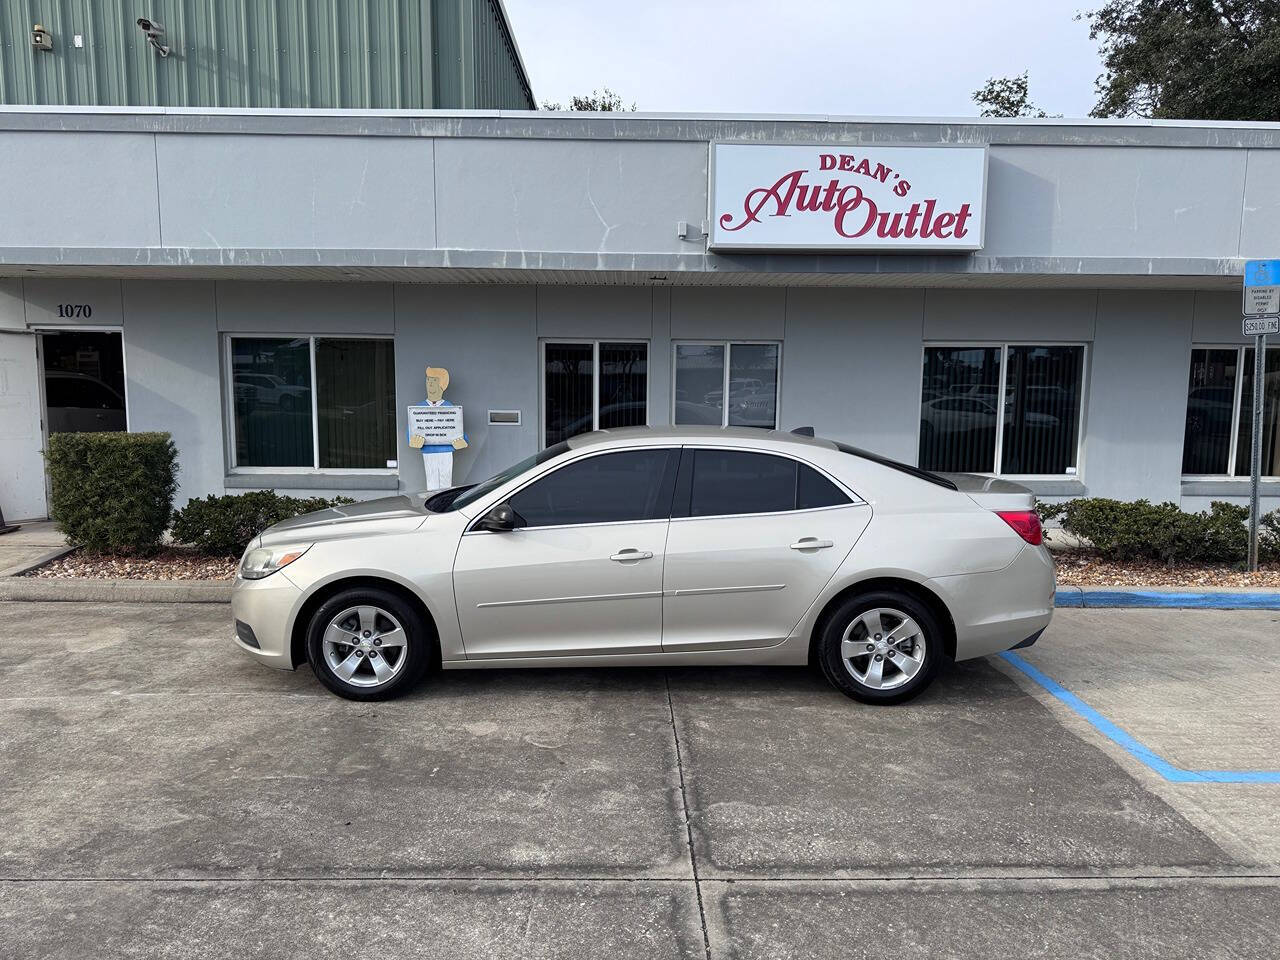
x=168 y=564
x=1080 y=569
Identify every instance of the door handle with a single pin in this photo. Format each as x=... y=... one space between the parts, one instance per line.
x=622 y=556
x=811 y=543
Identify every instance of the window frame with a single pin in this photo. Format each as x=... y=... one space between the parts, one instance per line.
x=229 y=408
x=595 y=377
x=1237 y=409
x=728 y=346
x=1004 y=346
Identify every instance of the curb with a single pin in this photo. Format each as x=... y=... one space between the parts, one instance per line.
x=72 y=589
x=18 y=569
x=1167 y=597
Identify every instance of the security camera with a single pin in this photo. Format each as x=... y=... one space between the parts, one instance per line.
x=154 y=30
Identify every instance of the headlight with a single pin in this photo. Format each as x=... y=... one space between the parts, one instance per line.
x=264 y=561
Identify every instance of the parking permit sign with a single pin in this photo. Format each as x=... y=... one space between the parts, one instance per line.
x=1262 y=288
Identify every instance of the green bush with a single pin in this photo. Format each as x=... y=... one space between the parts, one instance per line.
x=112 y=491
x=1142 y=530
x=225 y=525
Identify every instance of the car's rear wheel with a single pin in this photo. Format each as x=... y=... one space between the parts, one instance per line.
x=368 y=644
x=882 y=647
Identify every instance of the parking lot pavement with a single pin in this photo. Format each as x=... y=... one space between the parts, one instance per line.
x=1200 y=688
x=163 y=795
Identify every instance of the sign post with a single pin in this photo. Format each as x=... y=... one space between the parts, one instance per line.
x=1261 y=311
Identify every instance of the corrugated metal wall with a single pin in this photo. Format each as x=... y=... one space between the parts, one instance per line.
x=379 y=54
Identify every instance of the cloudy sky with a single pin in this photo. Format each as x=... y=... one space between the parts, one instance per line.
x=912 y=57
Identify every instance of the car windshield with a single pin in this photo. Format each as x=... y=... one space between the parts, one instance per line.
x=461 y=496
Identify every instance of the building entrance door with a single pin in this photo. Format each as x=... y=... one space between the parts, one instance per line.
x=22 y=485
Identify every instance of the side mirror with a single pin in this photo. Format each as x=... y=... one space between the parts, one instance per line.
x=499 y=519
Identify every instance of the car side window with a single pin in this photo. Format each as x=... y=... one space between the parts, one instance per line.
x=716 y=483
x=813 y=490
x=609 y=488
x=734 y=482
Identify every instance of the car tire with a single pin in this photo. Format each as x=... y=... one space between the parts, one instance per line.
x=906 y=666
x=375 y=622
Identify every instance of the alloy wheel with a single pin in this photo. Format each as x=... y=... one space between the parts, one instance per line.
x=365 y=646
x=883 y=648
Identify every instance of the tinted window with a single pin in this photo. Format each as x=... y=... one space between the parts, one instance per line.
x=610 y=488
x=813 y=490
x=729 y=481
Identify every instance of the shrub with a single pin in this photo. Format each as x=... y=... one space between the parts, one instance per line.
x=112 y=491
x=225 y=525
x=1142 y=530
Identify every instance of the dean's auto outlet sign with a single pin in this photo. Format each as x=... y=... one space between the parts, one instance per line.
x=850 y=198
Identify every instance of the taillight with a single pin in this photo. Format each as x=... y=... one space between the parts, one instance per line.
x=1025 y=523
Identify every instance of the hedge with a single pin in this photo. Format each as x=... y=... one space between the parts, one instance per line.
x=1142 y=530
x=112 y=492
x=225 y=525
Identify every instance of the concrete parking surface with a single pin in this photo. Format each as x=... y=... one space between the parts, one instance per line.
x=164 y=796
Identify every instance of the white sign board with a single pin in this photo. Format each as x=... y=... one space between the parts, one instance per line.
x=1261 y=326
x=440 y=425
x=847 y=197
x=1261 y=288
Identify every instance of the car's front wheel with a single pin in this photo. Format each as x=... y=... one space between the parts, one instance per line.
x=882 y=647
x=368 y=644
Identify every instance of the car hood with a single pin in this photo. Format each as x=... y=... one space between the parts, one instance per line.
x=385 y=515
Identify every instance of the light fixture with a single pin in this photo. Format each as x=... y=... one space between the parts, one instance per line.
x=154 y=30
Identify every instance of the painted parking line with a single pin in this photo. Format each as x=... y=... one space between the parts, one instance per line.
x=1136 y=749
x=1182 y=600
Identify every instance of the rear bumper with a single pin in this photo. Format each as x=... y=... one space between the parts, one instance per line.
x=1003 y=609
x=266 y=607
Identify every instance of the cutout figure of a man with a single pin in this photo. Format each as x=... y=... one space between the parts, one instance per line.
x=437 y=458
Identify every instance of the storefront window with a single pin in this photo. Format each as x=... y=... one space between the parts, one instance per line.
x=1219 y=426
x=1010 y=409
x=593 y=385
x=958 y=408
x=726 y=384
x=1211 y=398
x=1270 y=415
x=351 y=424
x=356 y=403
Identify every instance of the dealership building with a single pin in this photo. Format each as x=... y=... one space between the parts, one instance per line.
x=1055 y=301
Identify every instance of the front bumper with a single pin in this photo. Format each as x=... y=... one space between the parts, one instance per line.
x=267 y=607
x=1002 y=609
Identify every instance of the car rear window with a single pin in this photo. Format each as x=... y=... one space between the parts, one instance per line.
x=896 y=465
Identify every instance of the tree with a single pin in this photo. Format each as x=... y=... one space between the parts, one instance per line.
x=1007 y=97
x=1188 y=59
x=600 y=101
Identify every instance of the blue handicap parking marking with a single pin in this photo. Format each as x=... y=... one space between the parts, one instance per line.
x=1132 y=746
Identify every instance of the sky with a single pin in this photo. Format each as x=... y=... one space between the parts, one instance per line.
x=889 y=58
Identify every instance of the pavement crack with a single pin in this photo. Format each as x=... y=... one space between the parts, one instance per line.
x=688 y=822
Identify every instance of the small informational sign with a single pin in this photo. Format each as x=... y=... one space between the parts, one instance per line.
x=437 y=424
x=1259 y=326
x=1262 y=288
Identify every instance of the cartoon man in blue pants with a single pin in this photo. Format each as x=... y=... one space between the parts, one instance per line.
x=437 y=458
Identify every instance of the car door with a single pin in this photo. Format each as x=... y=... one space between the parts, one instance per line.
x=582 y=575
x=754 y=538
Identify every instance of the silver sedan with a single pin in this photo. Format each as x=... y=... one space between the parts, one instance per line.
x=657 y=547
